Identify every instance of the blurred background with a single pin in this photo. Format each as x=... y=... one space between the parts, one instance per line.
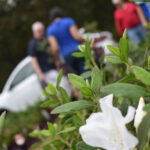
x=16 y=19
x=17 y=16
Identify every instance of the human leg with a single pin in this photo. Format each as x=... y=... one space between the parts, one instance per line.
x=133 y=35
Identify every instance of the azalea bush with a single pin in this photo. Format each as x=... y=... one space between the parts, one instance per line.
x=110 y=113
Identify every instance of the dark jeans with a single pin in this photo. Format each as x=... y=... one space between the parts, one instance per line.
x=77 y=64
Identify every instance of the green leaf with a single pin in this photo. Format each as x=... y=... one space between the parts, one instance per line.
x=73 y=106
x=149 y=62
x=81 y=48
x=51 y=89
x=2 y=120
x=123 y=45
x=59 y=78
x=88 y=83
x=83 y=146
x=114 y=60
x=147 y=108
x=51 y=128
x=48 y=103
x=78 y=55
x=114 y=50
x=124 y=107
x=86 y=75
x=96 y=80
x=64 y=95
x=87 y=48
x=87 y=91
x=45 y=132
x=77 y=120
x=47 y=147
x=125 y=90
x=68 y=130
x=125 y=34
x=35 y=133
x=126 y=79
x=142 y=74
x=77 y=81
x=143 y=131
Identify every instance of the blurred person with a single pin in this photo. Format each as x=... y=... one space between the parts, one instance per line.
x=42 y=59
x=145 y=8
x=131 y=17
x=64 y=39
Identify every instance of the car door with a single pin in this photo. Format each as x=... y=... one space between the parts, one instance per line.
x=25 y=89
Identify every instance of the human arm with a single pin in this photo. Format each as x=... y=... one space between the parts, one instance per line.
x=55 y=50
x=32 y=53
x=37 y=69
x=75 y=34
x=119 y=28
x=142 y=16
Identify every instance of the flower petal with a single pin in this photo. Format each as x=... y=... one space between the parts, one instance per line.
x=129 y=140
x=140 y=113
x=107 y=100
x=130 y=115
x=107 y=129
x=95 y=117
x=96 y=135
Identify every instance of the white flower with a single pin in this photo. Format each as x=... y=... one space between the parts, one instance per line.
x=140 y=113
x=107 y=129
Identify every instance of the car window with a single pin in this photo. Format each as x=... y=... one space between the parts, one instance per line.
x=24 y=73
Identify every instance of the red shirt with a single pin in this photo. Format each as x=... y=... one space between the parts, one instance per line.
x=126 y=18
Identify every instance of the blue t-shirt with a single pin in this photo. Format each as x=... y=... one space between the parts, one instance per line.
x=145 y=9
x=41 y=50
x=60 y=30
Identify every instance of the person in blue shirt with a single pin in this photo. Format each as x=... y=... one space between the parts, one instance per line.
x=145 y=9
x=64 y=39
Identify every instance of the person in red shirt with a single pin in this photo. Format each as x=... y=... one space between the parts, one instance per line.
x=131 y=17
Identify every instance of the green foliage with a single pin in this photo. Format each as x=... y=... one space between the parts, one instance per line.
x=48 y=103
x=87 y=91
x=114 y=60
x=96 y=82
x=126 y=90
x=142 y=74
x=79 y=55
x=143 y=132
x=59 y=78
x=83 y=146
x=2 y=119
x=123 y=45
x=72 y=106
x=126 y=81
x=114 y=50
x=149 y=62
x=77 y=81
x=72 y=129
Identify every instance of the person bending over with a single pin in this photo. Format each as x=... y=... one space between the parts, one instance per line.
x=64 y=37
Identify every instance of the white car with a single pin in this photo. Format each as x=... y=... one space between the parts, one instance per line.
x=22 y=89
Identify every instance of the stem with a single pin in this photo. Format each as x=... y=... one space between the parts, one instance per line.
x=93 y=62
x=94 y=98
x=65 y=142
